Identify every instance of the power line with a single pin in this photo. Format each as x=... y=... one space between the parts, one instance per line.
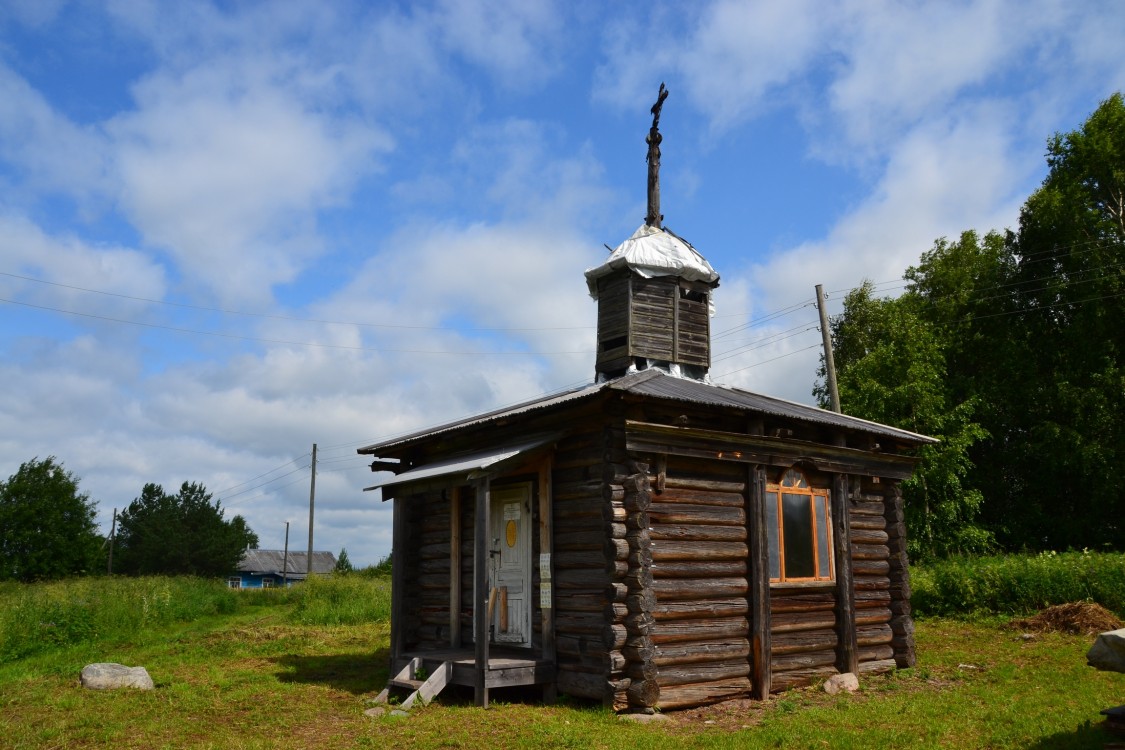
x=289 y=343
x=767 y=361
x=271 y=316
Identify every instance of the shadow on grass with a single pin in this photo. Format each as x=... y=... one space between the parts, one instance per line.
x=356 y=673
x=1092 y=736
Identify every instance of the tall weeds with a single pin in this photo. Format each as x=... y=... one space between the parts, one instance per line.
x=342 y=600
x=1018 y=584
x=36 y=617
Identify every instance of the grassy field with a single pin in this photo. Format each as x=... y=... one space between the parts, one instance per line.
x=270 y=673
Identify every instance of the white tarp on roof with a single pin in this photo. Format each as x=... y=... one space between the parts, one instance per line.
x=651 y=252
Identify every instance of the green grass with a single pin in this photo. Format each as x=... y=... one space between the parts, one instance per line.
x=264 y=676
x=1018 y=584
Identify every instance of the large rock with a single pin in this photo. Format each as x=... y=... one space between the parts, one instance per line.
x=106 y=676
x=841 y=683
x=1108 y=652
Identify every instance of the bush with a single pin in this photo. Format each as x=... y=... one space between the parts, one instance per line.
x=342 y=600
x=1018 y=584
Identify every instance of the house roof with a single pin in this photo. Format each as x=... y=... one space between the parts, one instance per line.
x=264 y=561
x=655 y=383
x=654 y=251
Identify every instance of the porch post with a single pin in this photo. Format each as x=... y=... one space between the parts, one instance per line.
x=480 y=591
x=546 y=575
x=398 y=576
x=847 y=654
x=455 y=568
x=761 y=672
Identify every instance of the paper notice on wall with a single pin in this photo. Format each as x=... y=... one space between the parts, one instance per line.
x=511 y=511
x=545 y=566
x=545 y=595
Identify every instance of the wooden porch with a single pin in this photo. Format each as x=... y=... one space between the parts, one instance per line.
x=504 y=667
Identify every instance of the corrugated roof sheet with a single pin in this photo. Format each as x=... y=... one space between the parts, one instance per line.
x=658 y=384
x=467 y=465
x=272 y=560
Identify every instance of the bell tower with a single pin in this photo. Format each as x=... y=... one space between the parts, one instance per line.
x=653 y=292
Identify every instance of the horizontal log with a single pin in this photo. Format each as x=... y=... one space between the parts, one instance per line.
x=866 y=508
x=876 y=598
x=580 y=646
x=692 y=674
x=867 y=536
x=700 y=568
x=876 y=653
x=796 y=602
x=801 y=642
x=582 y=684
x=876 y=582
x=684 y=589
x=579 y=623
x=790 y=679
x=866 y=567
x=685 y=696
x=679 y=513
x=792 y=622
x=709 y=608
x=673 y=631
x=664 y=550
x=702 y=497
x=874 y=635
x=870 y=552
x=701 y=651
x=697 y=532
x=876 y=616
x=570 y=601
x=806 y=660
x=678 y=481
x=867 y=523
x=581 y=578
x=877 y=667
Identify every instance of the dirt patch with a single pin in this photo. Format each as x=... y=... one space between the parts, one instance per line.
x=1076 y=618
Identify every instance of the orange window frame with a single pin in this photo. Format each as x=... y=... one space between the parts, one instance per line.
x=793 y=482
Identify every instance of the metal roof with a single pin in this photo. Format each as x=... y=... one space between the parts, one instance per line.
x=656 y=383
x=470 y=466
x=273 y=560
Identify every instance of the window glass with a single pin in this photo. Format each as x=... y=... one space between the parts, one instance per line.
x=773 y=536
x=798 y=530
x=824 y=561
x=800 y=555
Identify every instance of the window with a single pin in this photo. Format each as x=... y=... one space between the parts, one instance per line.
x=798 y=530
x=234 y=582
x=267 y=583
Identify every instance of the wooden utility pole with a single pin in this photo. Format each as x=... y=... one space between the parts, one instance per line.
x=112 y=532
x=829 y=363
x=312 y=501
x=285 y=560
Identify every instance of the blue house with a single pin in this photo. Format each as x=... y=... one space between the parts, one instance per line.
x=269 y=568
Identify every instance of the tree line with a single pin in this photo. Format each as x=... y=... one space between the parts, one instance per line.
x=48 y=529
x=1009 y=348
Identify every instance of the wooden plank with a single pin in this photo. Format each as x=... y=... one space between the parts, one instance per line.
x=455 y=568
x=399 y=545
x=846 y=659
x=646 y=437
x=546 y=573
x=480 y=592
x=758 y=592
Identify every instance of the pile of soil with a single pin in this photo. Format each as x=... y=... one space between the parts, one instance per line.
x=1077 y=618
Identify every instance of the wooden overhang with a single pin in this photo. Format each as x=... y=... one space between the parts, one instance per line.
x=644 y=437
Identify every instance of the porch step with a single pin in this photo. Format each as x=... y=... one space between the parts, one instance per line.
x=426 y=690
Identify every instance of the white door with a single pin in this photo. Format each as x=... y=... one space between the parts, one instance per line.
x=510 y=564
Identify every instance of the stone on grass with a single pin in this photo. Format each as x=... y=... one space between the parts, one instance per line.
x=107 y=676
x=841 y=683
x=375 y=712
x=1108 y=652
x=643 y=718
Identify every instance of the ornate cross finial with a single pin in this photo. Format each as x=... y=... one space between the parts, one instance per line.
x=653 y=139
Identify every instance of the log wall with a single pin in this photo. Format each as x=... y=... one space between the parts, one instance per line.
x=871 y=568
x=701 y=630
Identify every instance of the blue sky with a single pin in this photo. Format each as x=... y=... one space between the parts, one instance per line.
x=231 y=230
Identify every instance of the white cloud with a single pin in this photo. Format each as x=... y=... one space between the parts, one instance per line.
x=226 y=170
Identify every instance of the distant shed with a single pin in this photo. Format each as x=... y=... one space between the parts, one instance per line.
x=652 y=540
x=269 y=568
